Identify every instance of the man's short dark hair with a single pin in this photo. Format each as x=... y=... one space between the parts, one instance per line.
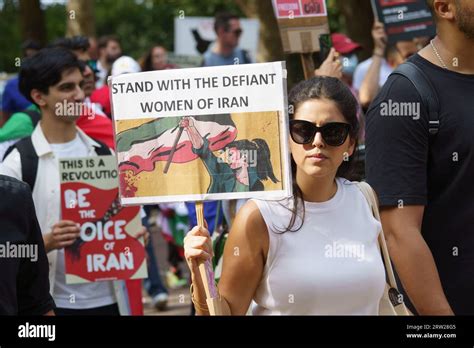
x=72 y=43
x=45 y=69
x=222 y=20
x=30 y=45
x=104 y=40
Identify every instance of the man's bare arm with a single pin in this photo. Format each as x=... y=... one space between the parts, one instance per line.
x=413 y=259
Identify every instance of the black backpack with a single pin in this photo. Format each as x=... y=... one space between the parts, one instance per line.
x=34 y=115
x=426 y=91
x=29 y=158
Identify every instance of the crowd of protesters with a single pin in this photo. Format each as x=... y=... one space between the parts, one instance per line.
x=419 y=166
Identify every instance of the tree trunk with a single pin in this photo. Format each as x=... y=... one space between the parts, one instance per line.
x=32 y=21
x=359 y=18
x=80 y=18
x=269 y=47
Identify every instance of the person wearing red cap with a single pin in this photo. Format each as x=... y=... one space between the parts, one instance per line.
x=346 y=55
x=347 y=49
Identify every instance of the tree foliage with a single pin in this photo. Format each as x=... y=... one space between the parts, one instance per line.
x=139 y=23
x=143 y=23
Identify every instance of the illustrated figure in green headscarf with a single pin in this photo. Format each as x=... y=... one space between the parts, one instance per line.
x=241 y=166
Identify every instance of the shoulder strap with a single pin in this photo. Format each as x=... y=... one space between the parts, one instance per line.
x=425 y=89
x=103 y=150
x=34 y=115
x=246 y=56
x=369 y=195
x=28 y=158
x=393 y=292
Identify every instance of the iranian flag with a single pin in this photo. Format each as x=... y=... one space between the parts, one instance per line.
x=139 y=148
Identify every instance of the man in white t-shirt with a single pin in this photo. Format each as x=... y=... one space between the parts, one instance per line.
x=54 y=76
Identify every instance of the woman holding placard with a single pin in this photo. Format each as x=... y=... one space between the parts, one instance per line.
x=315 y=253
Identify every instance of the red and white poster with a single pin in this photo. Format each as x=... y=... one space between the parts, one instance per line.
x=299 y=8
x=301 y=23
x=107 y=248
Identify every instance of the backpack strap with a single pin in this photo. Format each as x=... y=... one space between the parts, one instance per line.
x=28 y=158
x=102 y=150
x=246 y=56
x=34 y=115
x=426 y=91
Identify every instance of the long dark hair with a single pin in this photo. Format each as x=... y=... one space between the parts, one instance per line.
x=264 y=164
x=146 y=61
x=330 y=88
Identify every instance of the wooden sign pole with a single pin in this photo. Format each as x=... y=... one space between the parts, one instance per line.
x=207 y=275
x=308 y=65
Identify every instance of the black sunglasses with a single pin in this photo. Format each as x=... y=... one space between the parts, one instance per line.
x=92 y=64
x=236 y=32
x=333 y=133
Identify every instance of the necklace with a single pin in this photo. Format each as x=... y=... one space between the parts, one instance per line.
x=443 y=64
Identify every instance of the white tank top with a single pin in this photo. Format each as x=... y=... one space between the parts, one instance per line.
x=331 y=266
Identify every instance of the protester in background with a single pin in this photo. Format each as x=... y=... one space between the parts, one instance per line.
x=348 y=55
x=109 y=51
x=174 y=223
x=30 y=48
x=93 y=49
x=123 y=65
x=225 y=50
x=24 y=283
x=346 y=48
x=156 y=59
x=12 y=100
x=426 y=168
x=371 y=74
x=272 y=243
x=153 y=284
x=50 y=77
x=17 y=126
x=331 y=66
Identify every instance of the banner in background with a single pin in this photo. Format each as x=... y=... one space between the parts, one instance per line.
x=301 y=22
x=404 y=19
x=195 y=35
